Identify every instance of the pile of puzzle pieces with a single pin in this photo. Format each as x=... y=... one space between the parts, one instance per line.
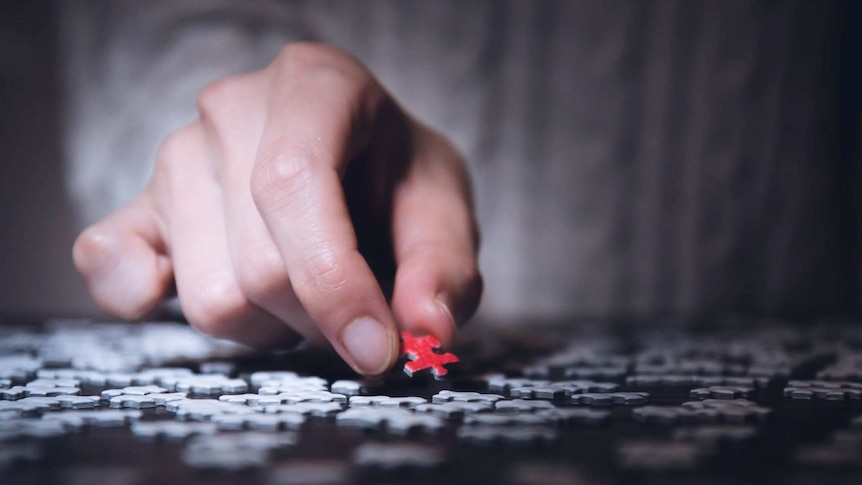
x=164 y=385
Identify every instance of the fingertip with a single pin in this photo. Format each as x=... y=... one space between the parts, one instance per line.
x=93 y=251
x=422 y=309
x=126 y=276
x=436 y=291
x=372 y=347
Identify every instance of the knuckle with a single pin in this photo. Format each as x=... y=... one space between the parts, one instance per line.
x=314 y=54
x=169 y=151
x=282 y=176
x=217 y=95
x=214 y=308
x=327 y=273
x=174 y=148
x=328 y=66
x=260 y=274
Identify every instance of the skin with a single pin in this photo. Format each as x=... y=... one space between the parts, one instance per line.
x=302 y=202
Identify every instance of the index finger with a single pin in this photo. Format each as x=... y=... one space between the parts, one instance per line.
x=316 y=121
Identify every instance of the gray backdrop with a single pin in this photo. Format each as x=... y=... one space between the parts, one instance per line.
x=630 y=157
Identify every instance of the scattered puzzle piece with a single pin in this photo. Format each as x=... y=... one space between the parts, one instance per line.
x=259 y=422
x=829 y=391
x=133 y=401
x=722 y=392
x=108 y=394
x=387 y=401
x=515 y=435
x=522 y=406
x=396 y=420
x=300 y=396
x=318 y=409
x=445 y=396
x=78 y=402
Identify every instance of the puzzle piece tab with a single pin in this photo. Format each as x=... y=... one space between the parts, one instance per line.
x=422 y=354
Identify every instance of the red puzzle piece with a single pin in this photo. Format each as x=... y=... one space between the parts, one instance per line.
x=422 y=355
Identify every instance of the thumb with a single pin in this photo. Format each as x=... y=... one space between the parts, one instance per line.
x=123 y=262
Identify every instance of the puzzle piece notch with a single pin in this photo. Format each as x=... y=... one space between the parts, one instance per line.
x=422 y=354
x=830 y=391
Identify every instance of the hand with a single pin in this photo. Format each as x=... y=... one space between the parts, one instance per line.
x=300 y=198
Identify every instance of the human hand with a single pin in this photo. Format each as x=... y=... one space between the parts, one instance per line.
x=296 y=202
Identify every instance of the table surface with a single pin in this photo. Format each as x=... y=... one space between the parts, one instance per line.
x=772 y=404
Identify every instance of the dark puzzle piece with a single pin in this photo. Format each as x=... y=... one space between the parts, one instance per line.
x=611 y=398
x=422 y=354
x=722 y=392
x=823 y=390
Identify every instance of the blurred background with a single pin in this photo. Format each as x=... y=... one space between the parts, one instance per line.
x=37 y=224
x=637 y=158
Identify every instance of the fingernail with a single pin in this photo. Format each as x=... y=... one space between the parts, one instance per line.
x=442 y=300
x=368 y=344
